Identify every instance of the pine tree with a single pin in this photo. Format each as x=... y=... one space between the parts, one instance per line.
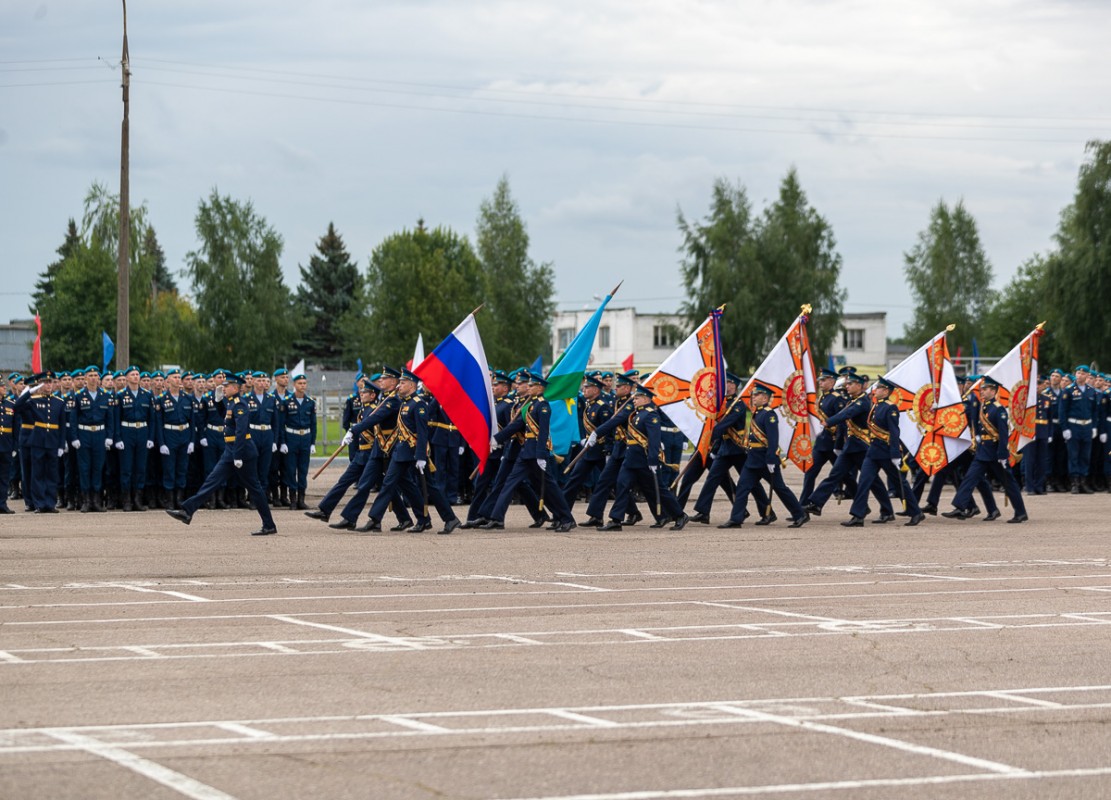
x=328 y=287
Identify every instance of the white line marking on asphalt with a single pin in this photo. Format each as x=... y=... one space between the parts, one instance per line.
x=412 y=644
x=8 y=658
x=1018 y=698
x=414 y=724
x=182 y=595
x=244 y=730
x=826 y=786
x=871 y=738
x=182 y=784
x=563 y=713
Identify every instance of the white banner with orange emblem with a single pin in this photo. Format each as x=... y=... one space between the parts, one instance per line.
x=932 y=424
x=690 y=383
x=788 y=372
x=1017 y=376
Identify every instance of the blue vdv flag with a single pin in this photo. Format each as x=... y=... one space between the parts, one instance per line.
x=109 y=349
x=358 y=374
x=537 y=367
x=975 y=357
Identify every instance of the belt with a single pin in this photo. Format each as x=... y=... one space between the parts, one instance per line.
x=232 y=438
x=1079 y=421
x=90 y=428
x=1042 y=422
x=176 y=427
x=50 y=426
x=5 y=430
x=443 y=425
x=219 y=428
x=670 y=430
x=260 y=427
x=134 y=424
x=299 y=431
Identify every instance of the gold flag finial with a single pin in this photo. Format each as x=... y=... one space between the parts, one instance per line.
x=806 y=308
x=950 y=328
x=1039 y=326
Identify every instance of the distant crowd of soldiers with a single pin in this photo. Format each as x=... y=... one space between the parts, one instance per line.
x=131 y=440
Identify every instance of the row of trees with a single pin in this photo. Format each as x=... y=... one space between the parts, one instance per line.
x=763 y=265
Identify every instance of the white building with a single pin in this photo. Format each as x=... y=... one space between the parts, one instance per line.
x=622 y=332
x=863 y=340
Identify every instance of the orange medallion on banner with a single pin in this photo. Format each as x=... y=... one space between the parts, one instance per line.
x=666 y=389
x=951 y=421
x=794 y=406
x=703 y=397
x=1018 y=408
x=931 y=455
x=923 y=407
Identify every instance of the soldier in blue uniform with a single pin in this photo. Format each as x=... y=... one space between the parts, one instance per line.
x=1079 y=409
x=731 y=453
x=607 y=480
x=884 y=455
x=763 y=463
x=641 y=463
x=1035 y=455
x=854 y=416
x=1104 y=452
x=263 y=407
x=446 y=444
x=991 y=432
x=368 y=394
x=7 y=446
x=533 y=462
x=239 y=455
x=136 y=413
x=298 y=440
x=92 y=426
x=594 y=412
x=46 y=417
x=503 y=410
x=25 y=421
x=210 y=433
x=174 y=433
x=351 y=408
x=831 y=440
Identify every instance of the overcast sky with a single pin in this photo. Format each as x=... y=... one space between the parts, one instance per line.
x=607 y=116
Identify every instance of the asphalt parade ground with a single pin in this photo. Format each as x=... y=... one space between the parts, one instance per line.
x=140 y=658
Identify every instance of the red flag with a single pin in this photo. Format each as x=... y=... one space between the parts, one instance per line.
x=36 y=351
x=627 y=364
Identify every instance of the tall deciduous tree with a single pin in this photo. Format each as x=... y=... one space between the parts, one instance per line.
x=328 y=287
x=517 y=290
x=418 y=282
x=949 y=277
x=244 y=309
x=765 y=269
x=1079 y=275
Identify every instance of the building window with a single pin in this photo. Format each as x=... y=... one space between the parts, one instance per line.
x=566 y=335
x=663 y=336
x=852 y=339
x=604 y=336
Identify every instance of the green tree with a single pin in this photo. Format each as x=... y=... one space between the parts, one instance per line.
x=418 y=282
x=244 y=309
x=517 y=290
x=328 y=288
x=1079 y=274
x=1022 y=304
x=764 y=269
x=949 y=278
x=161 y=279
x=44 y=286
x=80 y=304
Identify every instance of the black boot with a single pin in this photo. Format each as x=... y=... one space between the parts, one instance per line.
x=127 y=503
x=86 y=502
x=285 y=497
x=94 y=502
x=1074 y=486
x=164 y=499
x=221 y=498
x=301 y=501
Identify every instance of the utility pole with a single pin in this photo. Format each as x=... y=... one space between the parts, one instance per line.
x=123 y=305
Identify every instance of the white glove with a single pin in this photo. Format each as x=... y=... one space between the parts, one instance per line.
x=33 y=389
x=284 y=448
x=164 y=450
x=107 y=444
x=1067 y=434
x=461 y=449
x=712 y=456
x=238 y=463
x=204 y=442
x=60 y=450
x=1050 y=440
x=1093 y=433
x=543 y=464
x=494 y=445
x=838 y=452
x=896 y=462
x=75 y=444
x=420 y=466
x=348 y=438
x=119 y=445
x=273 y=448
x=1003 y=462
x=189 y=448
x=1103 y=437
x=771 y=468
x=150 y=444
x=312 y=449
x=218 y=393
x=653 y=469
x=592 y=439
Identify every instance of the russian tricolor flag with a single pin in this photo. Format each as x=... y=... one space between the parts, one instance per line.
x=458 y=375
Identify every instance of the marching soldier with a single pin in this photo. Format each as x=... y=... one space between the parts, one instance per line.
x=991 y=430
x=595 y=411
x=763 y=463
x=883 y=455
x=263 y=406
x=607 y=480
x=351 y=407
x=831 y=440
x=239 y=455
x=360 y=450
x=298 y=440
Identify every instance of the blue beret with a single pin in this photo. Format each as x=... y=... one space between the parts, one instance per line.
x=1083 y=367
x=15 y=377
x=90 y=368
x=281 y=371
x=299 y=376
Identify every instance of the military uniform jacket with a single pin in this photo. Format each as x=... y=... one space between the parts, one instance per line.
x=264 y=416
x=136 y=414
x=503 y=411
x=93 y=412
x=535 y=425
x=829 y=404
x=411 y=435
x=7 y=425
x=384 y=416
x=595 y=413
x=643 y=437
x=1079 y=406
x=238 y=442
x=175 y=426
x=730 y=429
x=855 y=417
x=614 y=427
x=763 y=439
x=1043 y=415
x=298 y=419
x=352 y=407
x=46 y=418
x=992 y=430
x=883 y=425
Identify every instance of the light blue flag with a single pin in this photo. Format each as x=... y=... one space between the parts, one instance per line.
x=109 y=349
